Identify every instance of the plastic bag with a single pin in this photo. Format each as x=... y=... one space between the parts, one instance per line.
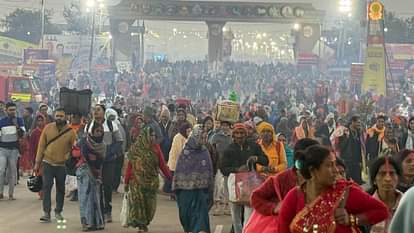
x=241 y=185
x=71 y=183
x=123 y=217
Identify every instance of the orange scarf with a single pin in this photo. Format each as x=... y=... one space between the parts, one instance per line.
x=300 y=132
x=371 y=131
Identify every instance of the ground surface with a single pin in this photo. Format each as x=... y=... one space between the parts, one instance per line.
x=22 y=216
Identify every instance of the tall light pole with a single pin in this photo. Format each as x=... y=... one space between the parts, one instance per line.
x=142 y=45
x=42 y=33
x=92 y=41
x=345 y=8
x=92 y=6
x=362 y=16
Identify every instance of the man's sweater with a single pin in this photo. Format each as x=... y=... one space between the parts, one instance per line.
x=58 y=151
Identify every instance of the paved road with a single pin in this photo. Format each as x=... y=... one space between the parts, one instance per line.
x=22 y=216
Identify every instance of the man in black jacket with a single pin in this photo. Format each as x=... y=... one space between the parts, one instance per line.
x=325 y=130
x=352 y=149
x=238 y=157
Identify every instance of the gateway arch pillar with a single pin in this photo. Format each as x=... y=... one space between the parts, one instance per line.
x=215 y=46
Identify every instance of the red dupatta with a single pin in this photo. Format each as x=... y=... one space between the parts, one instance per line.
x=318 y=216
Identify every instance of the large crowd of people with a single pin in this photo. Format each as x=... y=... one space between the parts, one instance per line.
x=314 y=150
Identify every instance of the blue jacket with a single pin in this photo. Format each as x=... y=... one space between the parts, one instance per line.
x=9 y=133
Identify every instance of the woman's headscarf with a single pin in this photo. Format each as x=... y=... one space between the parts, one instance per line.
x=194 y=166
x=96 y=126
x=266 y=126
x=111 y=112
x=136 y=129
x=143 y=143
x=39 y=115
x=195 y=139
x=95 y=144
x=144 y=161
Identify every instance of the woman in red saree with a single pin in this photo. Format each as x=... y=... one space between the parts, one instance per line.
x=34 y=140
x=324 y=205
x=266 y=200
x=35 y=135
x=26 y=162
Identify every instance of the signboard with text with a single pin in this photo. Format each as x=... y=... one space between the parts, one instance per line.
x=374 y=79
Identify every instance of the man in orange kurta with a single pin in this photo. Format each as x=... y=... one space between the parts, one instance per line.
x=304 y=130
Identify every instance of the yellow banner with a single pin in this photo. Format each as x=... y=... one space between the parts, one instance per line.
x=374 y=79
x=13 y=48
x=21 y=97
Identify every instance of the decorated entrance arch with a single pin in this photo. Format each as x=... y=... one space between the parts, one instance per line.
x=215 y=14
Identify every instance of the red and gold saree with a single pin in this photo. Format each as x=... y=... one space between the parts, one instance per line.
x=318 y=216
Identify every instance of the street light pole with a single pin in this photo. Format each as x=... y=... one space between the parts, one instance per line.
x=345 y=7
x=92 y=40
x=42 y=33
x=363 y=29
x=142 y=45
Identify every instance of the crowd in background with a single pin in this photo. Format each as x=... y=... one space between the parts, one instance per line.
x=298 y=131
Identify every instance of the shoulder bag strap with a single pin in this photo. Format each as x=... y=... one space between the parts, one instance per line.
x=57 y=137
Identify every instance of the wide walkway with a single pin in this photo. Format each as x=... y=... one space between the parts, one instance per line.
x=22 y=216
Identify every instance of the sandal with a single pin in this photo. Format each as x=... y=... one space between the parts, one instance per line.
x=85 y=228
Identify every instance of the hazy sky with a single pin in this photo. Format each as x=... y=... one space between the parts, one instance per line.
x=402 y=7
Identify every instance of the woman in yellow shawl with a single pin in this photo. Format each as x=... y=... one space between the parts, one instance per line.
x=274 y=150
